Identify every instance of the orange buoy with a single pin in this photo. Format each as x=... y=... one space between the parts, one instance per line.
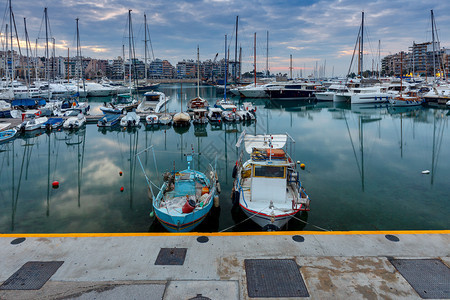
x=121 y=189
x=120 y=173
x=55 y=184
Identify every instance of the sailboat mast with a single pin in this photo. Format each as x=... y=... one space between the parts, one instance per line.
x=129 y=45
x=434 y=46
x=46 y=47
x=198 y=72
x=254 y=58
x=68 y=65
x=123 y=64
x=11 y=41
x=145 y=46
x=267 y=55
x=226 y=71
x=401 y=73
x=79 y=61
x=235 y=51
x=362 y=46
x=27 y=42
x=290 y=66
x=6 y=51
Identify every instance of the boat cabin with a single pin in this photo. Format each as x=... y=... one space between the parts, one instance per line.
x=268 y=169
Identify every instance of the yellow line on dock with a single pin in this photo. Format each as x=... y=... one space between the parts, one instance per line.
x=165 y=234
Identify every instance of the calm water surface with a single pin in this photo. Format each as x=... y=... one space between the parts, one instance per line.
x=363 y=169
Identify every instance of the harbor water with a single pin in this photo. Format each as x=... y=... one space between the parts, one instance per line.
x=364 y=168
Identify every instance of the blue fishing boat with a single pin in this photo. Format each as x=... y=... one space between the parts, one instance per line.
x=52 y=123
x=108 y=120
x=7 y=135
x=185 y=198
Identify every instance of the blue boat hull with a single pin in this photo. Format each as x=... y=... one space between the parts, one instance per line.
x=186 y=222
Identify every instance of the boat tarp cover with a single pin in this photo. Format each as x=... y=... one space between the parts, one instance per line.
x=264 y=141
x=23 y=102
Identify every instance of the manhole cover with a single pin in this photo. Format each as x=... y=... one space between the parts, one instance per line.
x=171 y=256
x=31 y=276
x=199 y=297
x=17 y=241
x=430 y=278
x=298 y=238
x=202 y=239
x=392 y=238
x=274 y=278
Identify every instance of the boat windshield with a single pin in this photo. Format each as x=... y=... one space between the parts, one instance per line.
x=269 y=171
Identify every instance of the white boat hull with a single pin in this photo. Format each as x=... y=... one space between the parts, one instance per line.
x=325 y=96
x=370 y=98
x=341 y=97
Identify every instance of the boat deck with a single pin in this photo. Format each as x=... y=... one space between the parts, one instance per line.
x=185 y=189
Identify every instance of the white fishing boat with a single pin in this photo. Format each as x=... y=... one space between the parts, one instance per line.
x=131 y=119
x=267 y=186
x=75 y=122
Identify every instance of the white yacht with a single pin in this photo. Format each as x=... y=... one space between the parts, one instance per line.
x=328 y=95
x=374 y=94
x=153 y=102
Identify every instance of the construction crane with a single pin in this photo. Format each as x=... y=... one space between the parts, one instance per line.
x=212 y=67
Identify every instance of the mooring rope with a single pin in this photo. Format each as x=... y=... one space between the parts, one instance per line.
x=242 y=221
x=320 y=228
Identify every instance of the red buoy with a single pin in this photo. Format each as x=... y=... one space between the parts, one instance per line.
x=121 y=189
x=55 y=184
x=120 y=173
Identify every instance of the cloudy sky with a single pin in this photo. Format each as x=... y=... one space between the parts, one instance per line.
x=314 y=32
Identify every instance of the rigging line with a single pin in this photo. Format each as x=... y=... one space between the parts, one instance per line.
x=353 y=56
x=150 y=40
x=310 y=224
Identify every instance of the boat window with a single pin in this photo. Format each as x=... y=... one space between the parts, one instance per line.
x=269 y=171
x=152 y=98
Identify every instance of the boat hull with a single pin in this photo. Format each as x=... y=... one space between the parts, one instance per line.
x=275 y=222
x=291 y=94
x=186 y=222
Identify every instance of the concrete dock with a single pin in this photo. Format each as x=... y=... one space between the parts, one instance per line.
x=258 y=265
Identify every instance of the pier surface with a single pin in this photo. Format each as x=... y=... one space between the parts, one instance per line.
x=262 y=265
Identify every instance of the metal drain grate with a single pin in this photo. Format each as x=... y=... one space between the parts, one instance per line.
x=32 y=275
x=430 y=278
x=171 y=256
x=274 y=278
